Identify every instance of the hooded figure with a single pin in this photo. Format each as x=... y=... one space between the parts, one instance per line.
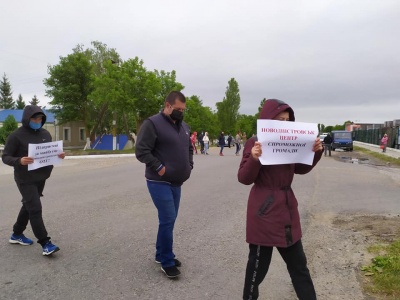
x=17 y=146
x=272 y=215
x=30 y=183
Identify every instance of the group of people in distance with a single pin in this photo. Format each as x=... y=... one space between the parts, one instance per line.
x=164 y=144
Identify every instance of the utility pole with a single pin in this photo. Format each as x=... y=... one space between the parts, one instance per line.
x=114 y=130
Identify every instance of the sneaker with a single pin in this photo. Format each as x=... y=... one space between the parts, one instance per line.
x=49 y=248
x=171 y=272
x=177 y=262
x=20 y=239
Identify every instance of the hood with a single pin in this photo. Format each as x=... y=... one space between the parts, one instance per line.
x=29 y=111
x=273 y=107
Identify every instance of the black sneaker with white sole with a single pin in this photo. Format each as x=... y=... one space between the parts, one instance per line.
x=171 y=272
x=177 y=262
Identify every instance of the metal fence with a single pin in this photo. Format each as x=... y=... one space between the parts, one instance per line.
x=374 y=136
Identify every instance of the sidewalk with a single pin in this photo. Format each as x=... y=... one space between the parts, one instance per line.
x=389 y=151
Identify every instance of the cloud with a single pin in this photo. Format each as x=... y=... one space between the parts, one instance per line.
x=323 y=57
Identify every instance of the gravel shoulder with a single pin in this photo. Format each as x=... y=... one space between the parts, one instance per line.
x=336 y=243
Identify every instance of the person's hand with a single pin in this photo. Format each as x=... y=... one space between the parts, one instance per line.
x=256 y=151
x=61 y=155
x=317 y=145
x=162 y=171
x=26 y=160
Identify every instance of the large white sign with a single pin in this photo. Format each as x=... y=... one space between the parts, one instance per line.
x=286 y=142
x=44 y=154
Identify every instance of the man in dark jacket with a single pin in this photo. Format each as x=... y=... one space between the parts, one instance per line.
x=273 y=218
x=30 y=183
x=328 y=143
x=163 y=144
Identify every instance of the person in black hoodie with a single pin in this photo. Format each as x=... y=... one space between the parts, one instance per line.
x=163 y=144
x=30 y=183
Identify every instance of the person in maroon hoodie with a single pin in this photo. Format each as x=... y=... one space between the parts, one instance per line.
x=273 y=218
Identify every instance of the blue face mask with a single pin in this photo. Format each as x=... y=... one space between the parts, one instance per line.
x=34 y=125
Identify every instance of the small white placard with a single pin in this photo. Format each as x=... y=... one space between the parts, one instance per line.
x=44 y=154
x=286 y=142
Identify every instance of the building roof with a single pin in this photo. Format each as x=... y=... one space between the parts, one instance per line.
x=17 y=114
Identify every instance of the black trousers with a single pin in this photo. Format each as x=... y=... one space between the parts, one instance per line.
x=31 y=210
x=296 y=262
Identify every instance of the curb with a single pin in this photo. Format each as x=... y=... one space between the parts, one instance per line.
x=100 y=156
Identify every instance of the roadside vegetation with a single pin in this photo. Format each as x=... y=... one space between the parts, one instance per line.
x=76 y=152
x=384 y=271
x=382 y=157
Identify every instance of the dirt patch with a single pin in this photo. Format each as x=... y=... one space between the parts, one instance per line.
x=375 y=228
x=337 y=249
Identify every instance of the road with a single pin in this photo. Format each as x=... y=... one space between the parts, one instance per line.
x=98 y=211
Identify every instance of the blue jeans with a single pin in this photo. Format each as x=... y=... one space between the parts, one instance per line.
x=166 y=198
x=206 y=148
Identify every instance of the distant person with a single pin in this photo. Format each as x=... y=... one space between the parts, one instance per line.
x=273 y=219
x=384 y=142
x=229 y=140
x=238 y=141
x=201 y=142
x=30 y=183
x=163 y=144
x=221 y=143
x=206 y=141
x=328 y=143
x=193 y=139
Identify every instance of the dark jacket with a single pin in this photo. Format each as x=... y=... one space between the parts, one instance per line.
x=221 y=140
x=272 y=214
x=16 y=147
x=161 y=142
x=328 y=140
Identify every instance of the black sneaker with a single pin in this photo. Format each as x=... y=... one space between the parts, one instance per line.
x=177 y=262
x=171 y=272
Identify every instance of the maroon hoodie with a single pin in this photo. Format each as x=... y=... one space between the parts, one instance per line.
x=272 y=214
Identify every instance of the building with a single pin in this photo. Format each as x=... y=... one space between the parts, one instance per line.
x=71 y=133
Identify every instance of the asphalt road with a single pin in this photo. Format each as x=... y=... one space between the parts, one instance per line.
x=99 y=212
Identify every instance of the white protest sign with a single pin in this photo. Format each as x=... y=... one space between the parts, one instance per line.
x=286 y=142
x=44 y=154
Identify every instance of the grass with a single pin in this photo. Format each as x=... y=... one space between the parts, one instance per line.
x=76 y=152
x=378 y=155
x=384 y=271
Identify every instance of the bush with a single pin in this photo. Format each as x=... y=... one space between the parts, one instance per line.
x=9 y=126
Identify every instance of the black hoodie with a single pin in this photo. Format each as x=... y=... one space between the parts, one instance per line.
x=17 y=143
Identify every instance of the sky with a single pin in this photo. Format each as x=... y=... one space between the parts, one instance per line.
x=332 y=61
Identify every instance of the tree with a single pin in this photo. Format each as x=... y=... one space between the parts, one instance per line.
x=71 y=86
x=248 y=124
x=20 y=103
x=9 y=126
x=228 y=109
x=34 y=101
x=6 y=100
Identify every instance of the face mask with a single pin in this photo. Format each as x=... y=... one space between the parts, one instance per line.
x=176 y=115
x=34 y=125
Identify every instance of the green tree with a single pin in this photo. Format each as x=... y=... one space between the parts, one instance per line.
x=6 y=100
x=34 y=101
x=228 y=109
x=248 y=124
x=20 y=103
x=200 y=118
x=9 y=126
x=69 y=86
